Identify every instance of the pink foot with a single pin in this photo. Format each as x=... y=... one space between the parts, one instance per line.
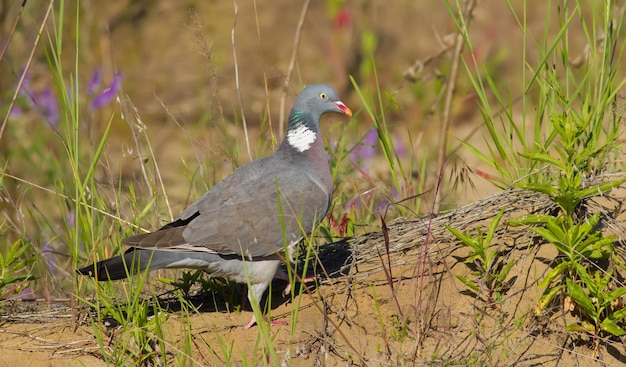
x=272 y=323
x=280 y=274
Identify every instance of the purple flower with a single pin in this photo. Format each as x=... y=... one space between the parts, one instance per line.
x=27 y=294
x=49 y=256
x=395 y=192
x=355 y=203
x=398 y=143
x=371 y=138
x=95 y=81
x=46 y=103
x=26 y=82
x=363 y=152
x=384 y=203
x=25 y=90
x=70 y=219
x=382 y=206
x=16 y=111
x=108 y=94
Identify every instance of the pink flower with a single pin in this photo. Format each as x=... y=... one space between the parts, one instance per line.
x=343 y=18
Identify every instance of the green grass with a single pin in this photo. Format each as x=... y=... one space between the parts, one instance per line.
x=557 y=132
x=575 y=139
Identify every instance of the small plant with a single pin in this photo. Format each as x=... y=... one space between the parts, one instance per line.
x=580 y=155
x=576 y=243
x=574 y=142
x=185 y=282
x=566 y=179
x=598 y=304
x=400 y=327
x=140 y=336
x=487 y=264
x=12 y=266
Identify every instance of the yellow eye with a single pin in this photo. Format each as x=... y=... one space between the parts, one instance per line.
x=323 y=95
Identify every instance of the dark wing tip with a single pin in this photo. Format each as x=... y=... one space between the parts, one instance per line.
x=93 y=270
x=110 y=269
x=87 y=270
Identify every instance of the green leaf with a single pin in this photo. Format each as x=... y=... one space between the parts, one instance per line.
x=585 y=327
x=616 y=294
x=468 y=283
x=611 y=327
x=545 y=189
x=505 y=271
x=547 y=297
x=493 y=227
x=618 y=315
x=600 y=249
x=465 y=239
x=550 y=237
x=531 y=219
x=582 y=299
x=558 y=271
x=598 y=190
x=545 y=158
x=583 y=275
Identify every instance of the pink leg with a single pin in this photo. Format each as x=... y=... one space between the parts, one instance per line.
x=251 y=323
x=255 y=291
x=280 y=274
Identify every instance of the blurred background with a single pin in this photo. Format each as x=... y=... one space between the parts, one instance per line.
x=174 y=63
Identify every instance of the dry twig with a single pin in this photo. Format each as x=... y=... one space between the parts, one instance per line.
x=292 y=65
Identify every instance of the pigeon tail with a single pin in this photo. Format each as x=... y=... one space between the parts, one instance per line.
x=137 y=260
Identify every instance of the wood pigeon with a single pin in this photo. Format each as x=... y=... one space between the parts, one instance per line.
x=241 y=227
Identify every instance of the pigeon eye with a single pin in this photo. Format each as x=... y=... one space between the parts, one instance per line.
x=323 y=95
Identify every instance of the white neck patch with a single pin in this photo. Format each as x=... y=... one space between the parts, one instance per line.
x=301 y=138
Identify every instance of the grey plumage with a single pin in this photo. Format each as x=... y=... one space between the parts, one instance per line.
x=239 y=228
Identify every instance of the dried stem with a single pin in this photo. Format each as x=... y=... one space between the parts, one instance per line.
x=267 y=92
x=26 y=67
x=450 y=88
x=243 y=115
x=12 y=32
x=292 y=65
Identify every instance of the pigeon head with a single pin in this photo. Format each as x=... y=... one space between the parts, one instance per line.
x=304 y=119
